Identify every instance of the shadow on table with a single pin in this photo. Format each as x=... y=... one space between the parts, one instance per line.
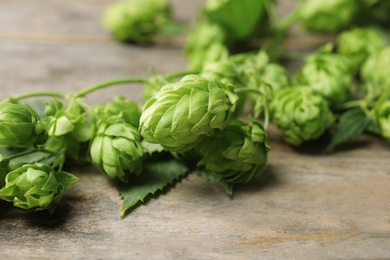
x=268 y=179
x=39 y=219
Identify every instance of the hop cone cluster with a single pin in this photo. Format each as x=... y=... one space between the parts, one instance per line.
x=300 y=114
x=36 y=187
x=20 y=126
x=182 y=112
x=238 y=153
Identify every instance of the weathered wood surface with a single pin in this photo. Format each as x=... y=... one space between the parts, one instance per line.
x=306 y=206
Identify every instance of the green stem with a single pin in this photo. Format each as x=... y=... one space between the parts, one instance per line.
x=352 y=104
x=102 y=85
x=39 y=94
x=179 y=74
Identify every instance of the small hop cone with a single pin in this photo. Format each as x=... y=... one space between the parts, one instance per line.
x=300 y=114
x=181 y=113
x=117 y=149
x=333 y=16
x=328 y=74
x=358 y=44
x=238 y=153
x=136 y=20
x=20 y=126
x=375 y=70
x=36 y=187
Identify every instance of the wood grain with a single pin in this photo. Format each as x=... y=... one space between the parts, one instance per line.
x=307 y=205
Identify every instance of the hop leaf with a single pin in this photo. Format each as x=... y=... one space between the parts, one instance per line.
x=182 y=112
x=300 y=114
x=239 y=18
x=36 y=187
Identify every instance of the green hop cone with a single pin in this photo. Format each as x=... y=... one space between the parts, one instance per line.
x=36 y=187
x=329 y=74
x=332 y=16
x=238 y=153
x=116 y=149
x=205 y=44
x=382 y=114
x=376 y=70
x=121 y=108
x=182 y=112
x=357 y=44
x=136 y=20
x=154 y=84
x=20 y=126
x=301 y=114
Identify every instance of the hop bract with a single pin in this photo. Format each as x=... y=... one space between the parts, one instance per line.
x=36 y=187
x=382 y=114
x=332 y=16
x=357 y=44
x=20 y=125
x=238 y=153
x=300 y=114
x=117 y=149
x=329 y=74
x=182 y=112
x=136 y=20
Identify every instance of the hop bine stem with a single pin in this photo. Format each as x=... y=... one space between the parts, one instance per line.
x=39 y=94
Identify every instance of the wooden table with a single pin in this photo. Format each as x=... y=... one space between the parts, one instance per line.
x=306 y=205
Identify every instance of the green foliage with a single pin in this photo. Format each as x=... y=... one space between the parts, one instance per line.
x=157 y=175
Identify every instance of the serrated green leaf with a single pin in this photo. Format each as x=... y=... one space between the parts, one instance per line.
x=210 y=177
x=351 y=124
x=155 y=176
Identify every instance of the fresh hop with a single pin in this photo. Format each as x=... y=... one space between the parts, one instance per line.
x=136 y=20
x=329 y=74
x=359 y=43
x=333 y=16
x=36 y=187
x=116 y=147
x=376 y=69
x=20 y=126
x=301 y=114
x=238 y=153
x=182 y=112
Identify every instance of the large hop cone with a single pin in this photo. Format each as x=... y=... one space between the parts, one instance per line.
x=238 y=153
x=301 y=114
x=183 y=112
